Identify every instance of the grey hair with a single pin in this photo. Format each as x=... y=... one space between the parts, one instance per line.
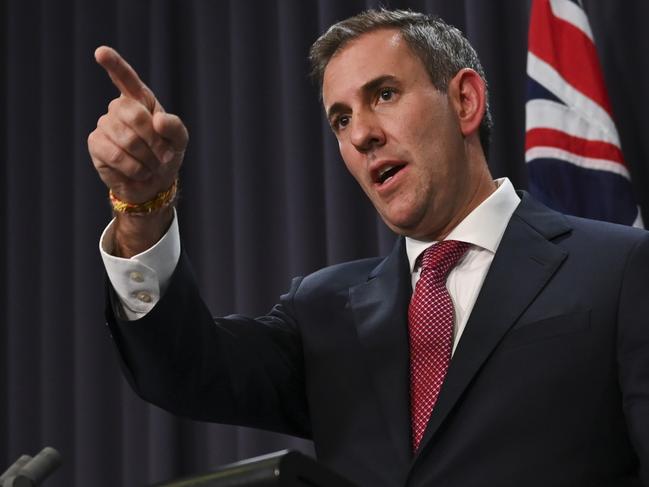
x=442 y=49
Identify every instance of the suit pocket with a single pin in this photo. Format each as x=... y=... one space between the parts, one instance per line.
x=527 y=333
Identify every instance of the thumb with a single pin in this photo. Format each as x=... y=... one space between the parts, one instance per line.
x=174 y=133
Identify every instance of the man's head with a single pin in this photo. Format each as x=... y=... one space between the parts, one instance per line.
x=413 y=147
x=441 y=48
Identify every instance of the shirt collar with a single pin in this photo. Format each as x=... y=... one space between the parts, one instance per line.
x=483 y=227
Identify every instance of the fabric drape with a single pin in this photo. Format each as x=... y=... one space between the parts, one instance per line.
x=264 y=193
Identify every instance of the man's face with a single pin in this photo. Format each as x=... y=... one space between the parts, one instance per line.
x=398 y=135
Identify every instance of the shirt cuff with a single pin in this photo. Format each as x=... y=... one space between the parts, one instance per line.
x=140 y=281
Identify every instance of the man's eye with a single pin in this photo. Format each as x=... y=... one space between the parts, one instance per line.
x=341 y=122
x=386 y=94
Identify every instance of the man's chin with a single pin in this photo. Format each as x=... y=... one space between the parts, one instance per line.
x=414 y=227
x=402 y=226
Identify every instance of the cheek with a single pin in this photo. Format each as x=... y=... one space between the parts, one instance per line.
x=415 y=131
x=436 y=146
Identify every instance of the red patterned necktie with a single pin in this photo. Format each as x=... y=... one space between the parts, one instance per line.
x=430 y=326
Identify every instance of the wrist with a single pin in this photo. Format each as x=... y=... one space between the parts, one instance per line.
x=139 y=226
x=160 y=200
x=136 y=233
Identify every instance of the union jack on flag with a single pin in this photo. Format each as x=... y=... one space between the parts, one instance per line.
x=572 y=147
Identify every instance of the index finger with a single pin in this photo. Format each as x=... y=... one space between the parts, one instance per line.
x=124 y=77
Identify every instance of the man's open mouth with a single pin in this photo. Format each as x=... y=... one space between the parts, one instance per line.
x=387 y=172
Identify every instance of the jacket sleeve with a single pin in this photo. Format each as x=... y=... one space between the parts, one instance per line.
x=233 y=370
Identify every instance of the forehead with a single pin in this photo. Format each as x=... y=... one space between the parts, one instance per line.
x=378 y=53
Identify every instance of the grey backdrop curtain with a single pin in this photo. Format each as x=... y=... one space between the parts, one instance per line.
x=264 y=193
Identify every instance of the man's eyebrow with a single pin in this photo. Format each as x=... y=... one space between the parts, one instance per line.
x=373 y=84
x=335 y=109
x=368 y=87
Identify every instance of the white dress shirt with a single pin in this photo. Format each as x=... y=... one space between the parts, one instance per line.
x=141 y=280
x=483 y=228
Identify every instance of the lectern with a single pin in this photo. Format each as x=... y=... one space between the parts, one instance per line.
x=284 y=468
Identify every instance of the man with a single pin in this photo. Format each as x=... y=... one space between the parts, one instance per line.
x=521 y=358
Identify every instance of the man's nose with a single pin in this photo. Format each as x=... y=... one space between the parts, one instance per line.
x=366 y=132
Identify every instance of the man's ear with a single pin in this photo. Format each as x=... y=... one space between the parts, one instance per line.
x=467 y=92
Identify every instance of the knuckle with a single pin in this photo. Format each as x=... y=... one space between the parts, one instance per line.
x=115 y=104
x=138 y=172
x=140 y=117
x=130 y=141
x=115 y=157
x=103 y=120
x=95 y=144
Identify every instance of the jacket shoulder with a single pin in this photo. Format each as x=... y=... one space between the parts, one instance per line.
x=338 y=276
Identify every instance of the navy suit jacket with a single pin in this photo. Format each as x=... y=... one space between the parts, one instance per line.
x=549 y=385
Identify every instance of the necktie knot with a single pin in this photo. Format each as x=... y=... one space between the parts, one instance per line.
x=442 y=257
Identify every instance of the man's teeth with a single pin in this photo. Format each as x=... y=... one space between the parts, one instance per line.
x=387 y=173
x=384 y=170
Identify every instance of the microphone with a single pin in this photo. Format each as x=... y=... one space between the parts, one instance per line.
x=32 y=471
x=12 y=471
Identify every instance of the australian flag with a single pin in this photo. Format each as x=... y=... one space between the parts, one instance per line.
x=572 y=147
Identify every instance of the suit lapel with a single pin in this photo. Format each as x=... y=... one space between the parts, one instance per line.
x=525 y=250
x=380 y=309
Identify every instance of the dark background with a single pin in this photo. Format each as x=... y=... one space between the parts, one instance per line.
x=265 y=195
